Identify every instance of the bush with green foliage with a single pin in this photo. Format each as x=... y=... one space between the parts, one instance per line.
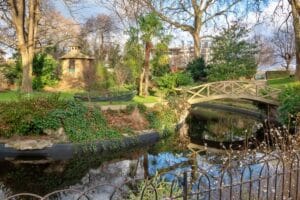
x=163 y=119
x=160 y=60
x=197 y=69
x=30 y=116
x=133 y=54
x=104 y=79
x=44 y=68
x=141 y=107
x=173 y=80
x=12 y=71
x=233 y=56
x=290 y=103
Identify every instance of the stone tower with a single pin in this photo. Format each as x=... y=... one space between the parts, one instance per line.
x=74 y=66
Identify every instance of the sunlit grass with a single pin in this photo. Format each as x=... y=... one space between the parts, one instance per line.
x=282 y=82
x=15 y=95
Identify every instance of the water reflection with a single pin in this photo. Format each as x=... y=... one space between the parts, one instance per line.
x=106 y=176
x=85 y=172
x=114 y=169
x=208 y=125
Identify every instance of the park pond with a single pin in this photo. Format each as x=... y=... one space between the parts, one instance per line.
x=101 y=173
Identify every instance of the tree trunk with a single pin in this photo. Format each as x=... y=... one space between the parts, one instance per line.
x=288 y=62
x=147 y=67
x=296 y=22
x=101 y=50
x=146 y=166
x=141 y=82
x=26 y=30
x=26 y=72
x=196 y=38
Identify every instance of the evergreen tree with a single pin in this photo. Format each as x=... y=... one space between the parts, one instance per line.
x=160 y=61
x=233 y=56
x=197 y=69
x=150 y=27
x=133 y=54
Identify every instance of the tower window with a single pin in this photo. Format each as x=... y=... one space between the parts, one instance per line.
x=71 y=65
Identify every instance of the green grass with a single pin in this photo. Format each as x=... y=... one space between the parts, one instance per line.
x=136 y=99
x=14 y=96
x=281 y=83
x=148 y=99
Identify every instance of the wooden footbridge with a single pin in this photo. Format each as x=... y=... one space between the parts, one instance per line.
x=251 y=90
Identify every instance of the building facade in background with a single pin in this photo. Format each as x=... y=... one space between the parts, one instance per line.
x=181 y=56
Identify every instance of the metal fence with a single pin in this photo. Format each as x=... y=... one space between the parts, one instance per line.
x=272 y=176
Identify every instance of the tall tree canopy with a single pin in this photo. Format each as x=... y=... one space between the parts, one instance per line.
x=191 y=15
x=150 y=27
x=232 y=55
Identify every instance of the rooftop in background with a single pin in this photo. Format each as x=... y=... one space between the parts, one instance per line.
x=76 y=54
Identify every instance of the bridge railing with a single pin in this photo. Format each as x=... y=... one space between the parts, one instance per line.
x=235 y=89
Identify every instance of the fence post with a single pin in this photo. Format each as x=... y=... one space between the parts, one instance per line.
x=185 y=186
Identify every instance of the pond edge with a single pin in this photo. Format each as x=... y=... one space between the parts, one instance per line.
x=68 y=150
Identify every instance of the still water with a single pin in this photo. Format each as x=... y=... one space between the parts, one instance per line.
x=90 y=169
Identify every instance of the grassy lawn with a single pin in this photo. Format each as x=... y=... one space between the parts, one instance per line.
x=14 y=95
x=281 y=83
x=136 y=99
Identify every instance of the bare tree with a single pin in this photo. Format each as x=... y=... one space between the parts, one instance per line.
x=24 y=15
x=90 y=79
x=283 y=41
x=295 y=4
x=266 y=52
x=19 y=29
x=190 y=15
x=294 y=11
x=127 y=11
x=55 y=30
x=122 y=74
x=97 y=29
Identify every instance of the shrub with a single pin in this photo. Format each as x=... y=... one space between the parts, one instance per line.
x=30 y=116
x=170 y=81
x=160 y=61
x=44 y=68
x=141 y=107
x=161 y=70
x=104 y=78
x=12 y=70
x=290 y=103
x=183 y=78
x=162 y=118
x=197 y=69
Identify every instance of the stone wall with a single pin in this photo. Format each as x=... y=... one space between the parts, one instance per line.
x=74 y=79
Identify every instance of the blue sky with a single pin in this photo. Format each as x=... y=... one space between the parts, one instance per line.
x=81 y=11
